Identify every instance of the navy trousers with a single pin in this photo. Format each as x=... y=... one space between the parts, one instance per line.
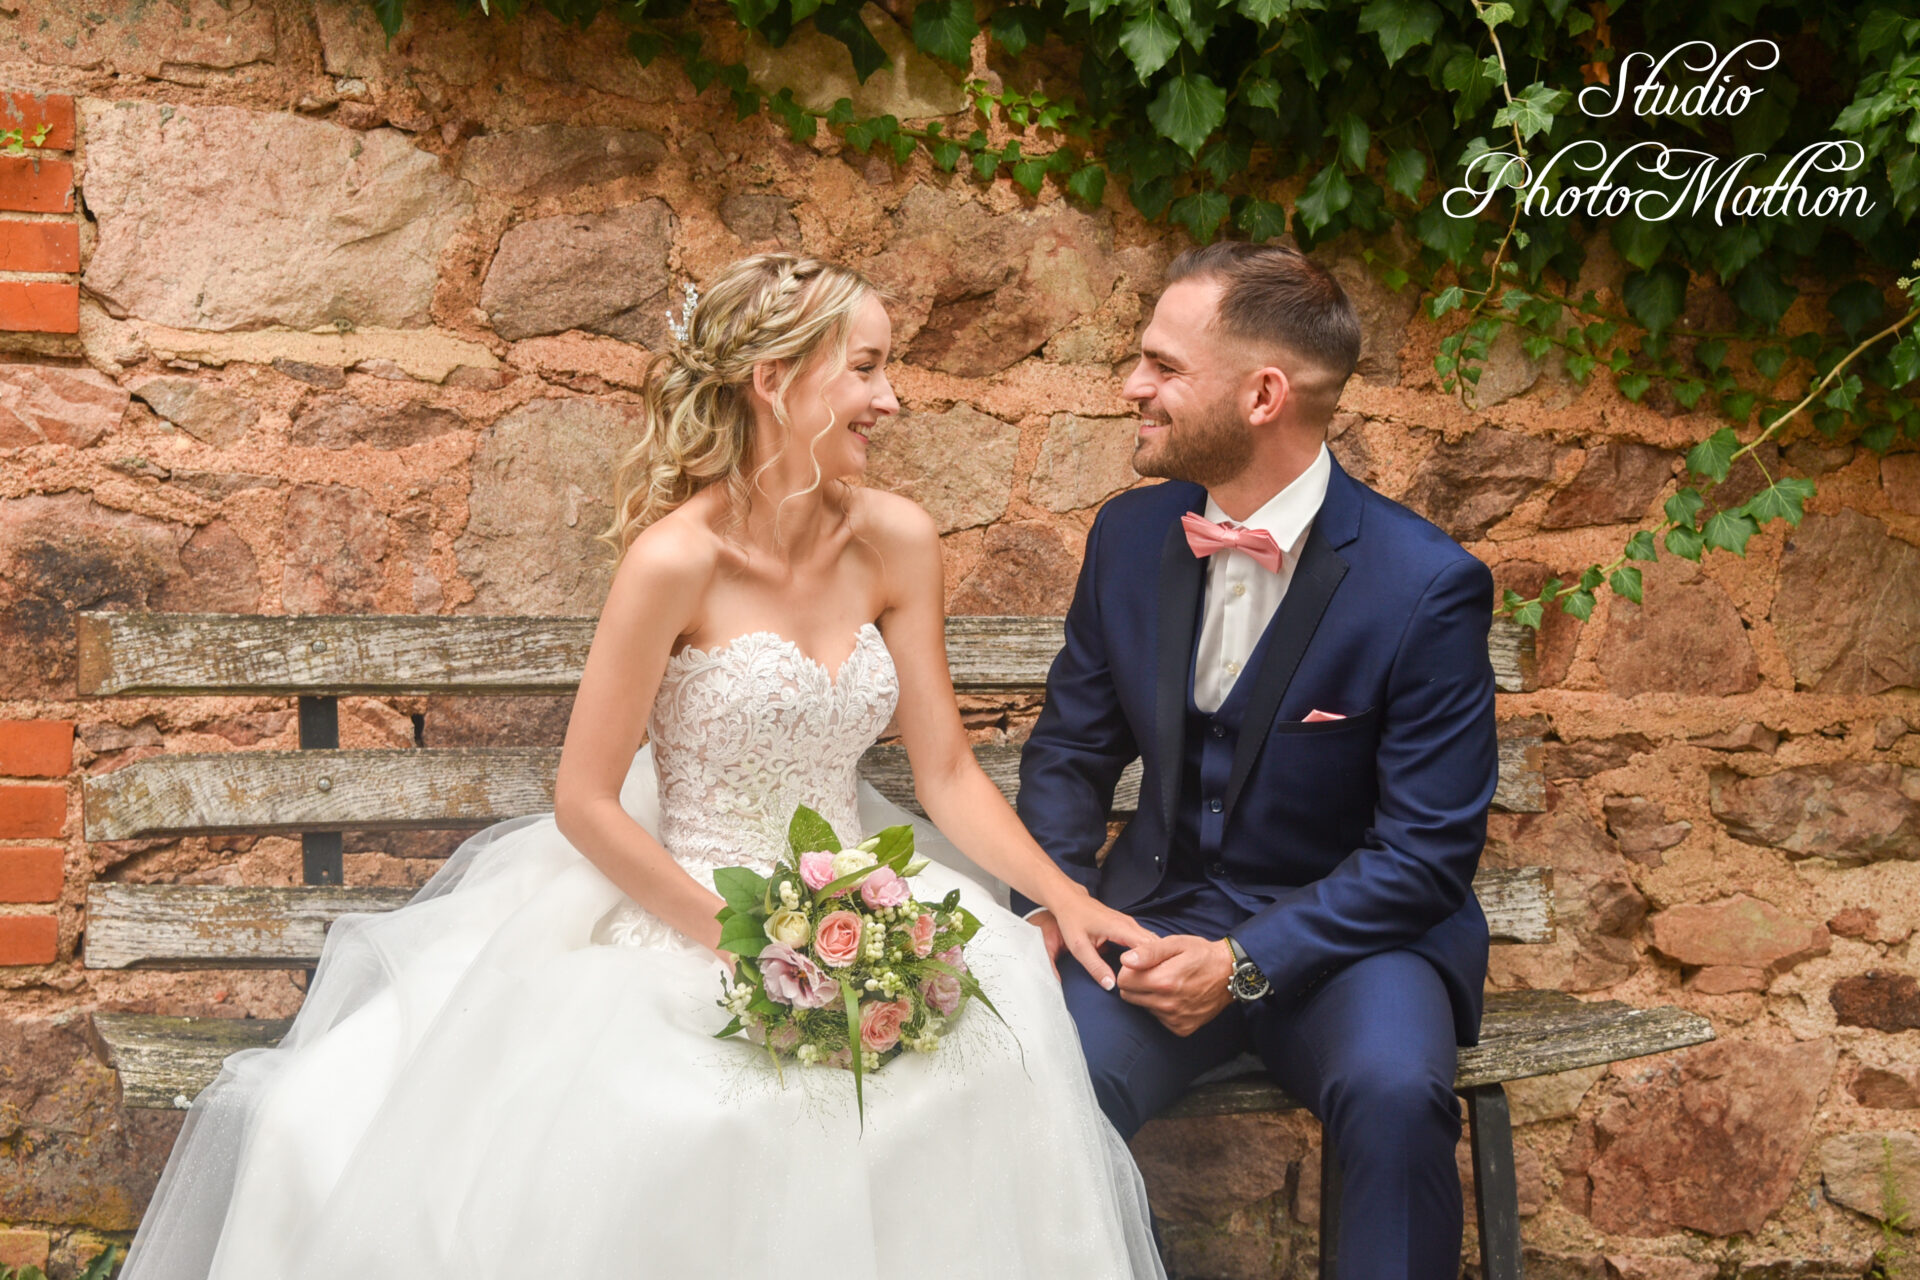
x=1370 y=1052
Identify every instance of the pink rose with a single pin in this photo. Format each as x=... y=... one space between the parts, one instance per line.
x=791 y=978
x=837 y=939
x=842 y=1058
x=880 y=1023
x=884 y=888
x=952 y=958
x=942 y=993
x=922 y=935
x=816 y=869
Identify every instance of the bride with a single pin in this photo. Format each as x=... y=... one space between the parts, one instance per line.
x=516 y=1074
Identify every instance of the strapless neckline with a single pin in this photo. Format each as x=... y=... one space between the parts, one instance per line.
x=747 y=637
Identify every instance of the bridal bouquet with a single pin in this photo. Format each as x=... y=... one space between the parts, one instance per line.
x=838 y=964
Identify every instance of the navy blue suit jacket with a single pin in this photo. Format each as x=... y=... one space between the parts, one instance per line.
x=1358 y=835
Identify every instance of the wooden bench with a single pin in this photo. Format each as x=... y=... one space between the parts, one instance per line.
x=321 y=792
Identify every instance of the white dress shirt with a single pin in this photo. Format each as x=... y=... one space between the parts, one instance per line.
x=1241 y=596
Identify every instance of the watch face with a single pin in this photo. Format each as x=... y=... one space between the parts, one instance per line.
x=1249 y=983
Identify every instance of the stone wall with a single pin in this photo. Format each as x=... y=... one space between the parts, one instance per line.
x=356 y=328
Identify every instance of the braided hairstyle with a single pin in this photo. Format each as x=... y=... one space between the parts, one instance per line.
x=699 y=416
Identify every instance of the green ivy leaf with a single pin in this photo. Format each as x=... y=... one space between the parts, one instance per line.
x=1655 y=298
x=1529 y=614
x=1761 y=293
x=1406 y=170
x=1354 y=137
x=1495 y=14
x=842 y=22
x=1688 y=544
x=1730 y=531
x=1401 y=25
x=1712 y=353
x=753 y=12
x=1626 y=582
x=1769 y=361
x=1905 y=360
x=1858 y=306
x=1188 y=109
x=1737 y=405
x=1017 y=26
x=1634 y=385
x=1579 y=604
x=1683 y=508
x=945 y=29
x=1262 y=220
x=1591 y=578
x=1640 y=546
x=1532 y=111
x=1201 y=214
x=1088 y=184
x=1784 y=499
x=644 y=47
x=1030 y=174
x=1450 y=237
x=1264 y=11
x=1326 y=195
x=1713 y=457
x=1149 y=39
x=390 y=14
x=986 y=164
x=1263 y=94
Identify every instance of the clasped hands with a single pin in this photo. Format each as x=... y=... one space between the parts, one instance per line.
x=1180 y=979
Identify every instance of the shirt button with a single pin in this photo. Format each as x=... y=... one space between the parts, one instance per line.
x=1217 y=869
x=1219 y=731
x=1233 y=668
x=1239 y=588
x=1214 y=805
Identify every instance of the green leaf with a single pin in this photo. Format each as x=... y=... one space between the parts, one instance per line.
x=1591 y=578
x=1579 y=604
x=1406 y=170
x=1634 y=385
x=1264 y=94
x=1495 y=14
x=1640 y=546
x=390 y=14
x=850 y=1000
x=1401 y=25
x=1655 y=298
x=1354 y=137
x=1031 y=175
x=1088 y=184
x=1187 y=110
x=1626 y=582
x=742 y=887
x=743 y=936
x=1262 y=220
x=1858 y=306
x=986 y=164
x=946 y=155
x=1533 y=110
x=1687 y=543
x=1905 y=360
x=1530 y=614
x=1784 y=499
x=644 y=47
x=1017 y=26
x=809 y=833
x=894 y=846
x=1450 y=237
x=1683 y=508
x=842 y=22
x=1730 y=531
x=1326 y=195
x=1712 y=353
x=1762 y=294
x=945 y=29
x=753 y=12
x=1769 y=361
x=1149 y=40
x=1264 y=11
x=1737 y=405
x=1201 y=213
x=1713 y=457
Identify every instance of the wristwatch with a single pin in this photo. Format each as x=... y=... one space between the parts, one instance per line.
x=1247 y=983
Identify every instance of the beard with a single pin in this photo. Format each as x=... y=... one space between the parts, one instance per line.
x=1210 y=450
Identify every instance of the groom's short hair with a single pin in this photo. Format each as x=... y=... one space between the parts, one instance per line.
x=1272 y=294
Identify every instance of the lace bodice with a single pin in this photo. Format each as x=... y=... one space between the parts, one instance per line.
x=744 y=732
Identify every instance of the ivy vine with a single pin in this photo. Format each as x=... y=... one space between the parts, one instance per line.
x=1320 y=118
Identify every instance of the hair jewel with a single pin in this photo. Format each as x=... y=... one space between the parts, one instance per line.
x=683 y=327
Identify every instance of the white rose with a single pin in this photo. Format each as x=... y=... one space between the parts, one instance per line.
x=790 y=927
x=845 y=864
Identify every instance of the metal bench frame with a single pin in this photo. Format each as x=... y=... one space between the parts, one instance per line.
x=321 y=792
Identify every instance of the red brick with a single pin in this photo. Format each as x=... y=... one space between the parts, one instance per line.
x=32 y=812
x=21 y=1248
x=39 y=246
x=28 y=111
x=39 y=307
x=29 y=939
x=34 y=185
x=36 y=748
x=30 y=875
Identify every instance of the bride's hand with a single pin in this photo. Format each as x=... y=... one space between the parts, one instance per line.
x=1083 y=925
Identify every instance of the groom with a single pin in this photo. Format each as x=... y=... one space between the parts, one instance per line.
x=1301 y=666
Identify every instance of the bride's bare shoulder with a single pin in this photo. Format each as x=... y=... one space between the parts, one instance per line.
x=668 y=567
x=893 y=521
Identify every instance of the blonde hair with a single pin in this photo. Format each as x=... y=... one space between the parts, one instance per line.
x=698 y=425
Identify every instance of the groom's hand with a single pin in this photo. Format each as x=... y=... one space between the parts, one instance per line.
x=1180 y=979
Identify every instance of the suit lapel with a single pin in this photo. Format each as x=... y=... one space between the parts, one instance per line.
x=1315 y=578
x=1181 y=577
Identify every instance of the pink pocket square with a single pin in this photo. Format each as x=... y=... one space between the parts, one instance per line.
x=1315 y=717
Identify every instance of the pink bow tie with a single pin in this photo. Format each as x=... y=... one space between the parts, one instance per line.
x=1206 y=537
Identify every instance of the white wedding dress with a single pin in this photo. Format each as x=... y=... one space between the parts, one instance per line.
x=515 y=1074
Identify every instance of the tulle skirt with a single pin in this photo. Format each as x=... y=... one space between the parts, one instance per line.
x=495 y=1081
